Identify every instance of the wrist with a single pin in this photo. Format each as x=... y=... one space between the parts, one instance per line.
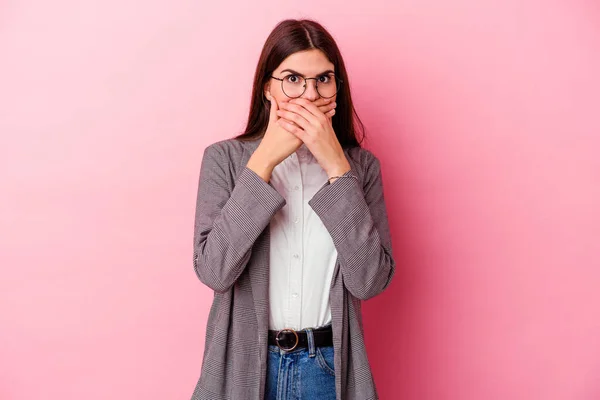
x=338 y=171
x=339 y=168
x=261 y=165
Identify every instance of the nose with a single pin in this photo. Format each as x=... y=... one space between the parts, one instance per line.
x=310 y=93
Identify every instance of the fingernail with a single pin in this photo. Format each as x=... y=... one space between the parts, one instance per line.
x=334 y=104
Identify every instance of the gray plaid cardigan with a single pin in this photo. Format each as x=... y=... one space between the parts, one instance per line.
x=231 y=256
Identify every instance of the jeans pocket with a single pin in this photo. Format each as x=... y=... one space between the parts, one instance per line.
x=324 y=356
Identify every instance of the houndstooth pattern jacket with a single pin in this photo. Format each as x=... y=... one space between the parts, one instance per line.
x=231 y=256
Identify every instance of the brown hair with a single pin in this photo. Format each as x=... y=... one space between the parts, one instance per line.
x=288 y=37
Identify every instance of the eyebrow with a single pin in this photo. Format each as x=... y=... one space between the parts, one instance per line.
x=298 y=73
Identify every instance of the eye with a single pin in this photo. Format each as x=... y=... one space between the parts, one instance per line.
x=324 y=78
x=293 y=79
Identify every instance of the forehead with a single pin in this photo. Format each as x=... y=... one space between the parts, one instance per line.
x=309 y=62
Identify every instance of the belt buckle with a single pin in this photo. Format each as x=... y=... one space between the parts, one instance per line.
x=289 y=330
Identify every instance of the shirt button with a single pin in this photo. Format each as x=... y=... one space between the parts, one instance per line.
x=294 y=294
x=296 y=187
x=297 y=220
x=296 y=255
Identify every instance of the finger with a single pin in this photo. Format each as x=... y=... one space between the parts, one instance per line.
x=274 y=108
x=291 y=128
x=324 y=109
x=322 y=101
x=302 y=112
x=291 y=116
x=330 y=115
x=318 y=116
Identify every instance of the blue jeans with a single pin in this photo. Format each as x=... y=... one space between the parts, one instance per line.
x=301 y=374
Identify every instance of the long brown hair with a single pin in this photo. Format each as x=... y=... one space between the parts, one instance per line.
x=288 y=37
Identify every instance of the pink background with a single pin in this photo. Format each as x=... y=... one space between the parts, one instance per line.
x=485 y=115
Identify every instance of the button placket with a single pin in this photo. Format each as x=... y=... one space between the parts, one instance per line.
x=296 y=261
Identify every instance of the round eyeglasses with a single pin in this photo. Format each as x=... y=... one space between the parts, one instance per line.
x=294 y=86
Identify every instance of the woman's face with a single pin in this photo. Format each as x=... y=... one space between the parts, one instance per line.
x=310 y=64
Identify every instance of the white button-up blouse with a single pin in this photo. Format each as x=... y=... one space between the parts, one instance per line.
x=302 y=253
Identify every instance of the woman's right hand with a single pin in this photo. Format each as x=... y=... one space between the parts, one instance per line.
x=277 y=143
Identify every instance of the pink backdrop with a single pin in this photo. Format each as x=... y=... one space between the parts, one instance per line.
x=485 y=115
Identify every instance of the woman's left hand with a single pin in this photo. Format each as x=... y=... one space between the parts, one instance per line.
x=315 y=129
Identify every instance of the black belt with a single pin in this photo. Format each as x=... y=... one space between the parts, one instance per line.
x=289 y=339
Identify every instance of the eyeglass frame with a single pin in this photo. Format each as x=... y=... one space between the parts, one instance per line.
x=338 y=79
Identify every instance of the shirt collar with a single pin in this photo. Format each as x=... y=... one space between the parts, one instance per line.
x=304 y=153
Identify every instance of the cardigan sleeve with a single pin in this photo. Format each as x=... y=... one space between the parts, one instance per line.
x=228 y=222
x=358 y=224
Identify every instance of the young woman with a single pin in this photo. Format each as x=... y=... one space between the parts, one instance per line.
x=291 y=233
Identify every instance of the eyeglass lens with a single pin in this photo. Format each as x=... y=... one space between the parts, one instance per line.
x=295 y=86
